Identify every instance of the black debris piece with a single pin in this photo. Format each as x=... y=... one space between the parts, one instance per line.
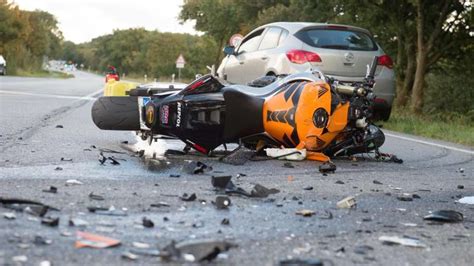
x=445 y=216
x=220 y=181
x=160 y=204
x=58 y=168
x=41 y=241
x=113 y=161
x=93 y=196
x=238 y=156
x=59 y=126
x=308 y=188
x=141 y=153
x=288 y=165
x=50 y=221
x=198 y=224
x=106 y=211
x=225 y=221
x=66 y=159
x=460 y=187
x=102 y=159
x=175 y=175
x=339 y=182
x=196 y=167
x=405 y=197
x=52 y=189
x=147 y=222
x=327 y=167
x=222 y=202
x=260 y=191
x=461 y=170
x=32 y=207
x=301 y=262
x=377 y=182
x=186 y=197
x=416 y=196
x=204 y=250
x=124 y=142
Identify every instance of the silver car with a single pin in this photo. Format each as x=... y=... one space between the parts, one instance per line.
x=340 y=51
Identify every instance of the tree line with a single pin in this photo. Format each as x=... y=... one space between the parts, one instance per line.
x=27 y=37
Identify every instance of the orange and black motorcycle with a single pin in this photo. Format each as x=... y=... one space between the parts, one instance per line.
x=304 y=111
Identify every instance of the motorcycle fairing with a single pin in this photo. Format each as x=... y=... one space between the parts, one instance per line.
x=290 y=115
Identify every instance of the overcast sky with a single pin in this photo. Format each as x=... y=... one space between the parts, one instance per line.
x=83 y=20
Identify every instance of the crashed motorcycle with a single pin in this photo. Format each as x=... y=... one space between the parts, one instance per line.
x=307 y=111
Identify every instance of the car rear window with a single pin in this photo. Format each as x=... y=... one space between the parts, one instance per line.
x=337 y=39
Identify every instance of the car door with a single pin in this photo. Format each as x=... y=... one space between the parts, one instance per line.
x=237 y=64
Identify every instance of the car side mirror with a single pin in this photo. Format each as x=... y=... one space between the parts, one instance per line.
x=229 y=50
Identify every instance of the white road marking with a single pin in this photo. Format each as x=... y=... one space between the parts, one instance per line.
x=430 y=143
x=88 y=97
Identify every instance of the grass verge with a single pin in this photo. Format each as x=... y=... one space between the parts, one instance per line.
x=43 y=74
x=453 y=128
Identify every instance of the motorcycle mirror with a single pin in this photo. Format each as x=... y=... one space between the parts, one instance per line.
x=229 y=50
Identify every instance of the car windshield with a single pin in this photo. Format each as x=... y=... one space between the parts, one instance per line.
x=337 y=39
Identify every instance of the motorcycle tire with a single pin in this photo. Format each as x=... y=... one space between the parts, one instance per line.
x=116 y=113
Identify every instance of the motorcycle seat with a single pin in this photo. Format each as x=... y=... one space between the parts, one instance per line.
x=243 y=112
x=256 y=91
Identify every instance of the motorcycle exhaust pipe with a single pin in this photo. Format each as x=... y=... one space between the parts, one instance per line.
x=116 y=113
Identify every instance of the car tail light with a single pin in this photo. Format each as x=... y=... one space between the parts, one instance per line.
x=385 y=60
x=301 y=56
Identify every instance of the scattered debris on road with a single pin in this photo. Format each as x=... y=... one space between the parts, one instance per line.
x=78 y=222
x=305 y=213
x=446 y=216
x=93 y=196
x=50 y=221
x=222 y=202
x=195 y=250
x=84 y=239
x=73 y=182
x=64 y=159
x=52 y=189
x=302 y=262
x=404 y=241
x=195 y=167
x=467 y=200
x=346 y=203
x=186 y=197
x=260 y=191
x=327 y=167
x=147 y=222
x=9 y=215
x=111 y=211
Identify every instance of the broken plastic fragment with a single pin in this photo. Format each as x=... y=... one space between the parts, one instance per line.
x=72 y=182
x=220 y=181
x=260 y=191
x=140 y=245
x=305 y=213
x=291 y=154
x=129 y=256
x=193 y=167
x=467 y=200
x=302 y=262
x=147 y=222
x=52 y=189
x=85 y=239
x=78 y=222
x=327 y=167
x=404 y=241
x=93 y=196
x=186 y=197
x=447 y=216
x=346 y=203
x=50 y=221
x=9 y=215
x=222 y=202
x=203 y=250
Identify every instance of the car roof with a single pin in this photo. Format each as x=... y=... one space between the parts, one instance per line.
x=294 y=27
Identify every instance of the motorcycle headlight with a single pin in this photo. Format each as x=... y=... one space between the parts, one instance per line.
x=320 y=118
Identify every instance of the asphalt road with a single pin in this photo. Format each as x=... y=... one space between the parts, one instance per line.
x=266 y=230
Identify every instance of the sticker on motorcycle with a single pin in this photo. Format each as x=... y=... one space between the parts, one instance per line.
x=164 y=114
x=178 y=114
x=145 y=100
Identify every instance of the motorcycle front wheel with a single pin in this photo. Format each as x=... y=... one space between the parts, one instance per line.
x=116 y=113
